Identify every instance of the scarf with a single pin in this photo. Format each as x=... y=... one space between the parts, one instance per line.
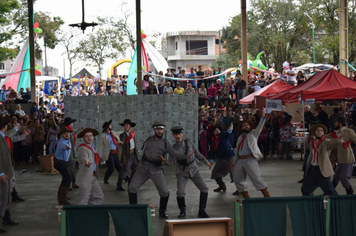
x=74 y=135
x=8 y=142
x=316 y=153
x=96 y=155
x=132 y=134
x=216 y=140
x=241 y=144
x=333 y=135
x=114 y=139
x=346 y=144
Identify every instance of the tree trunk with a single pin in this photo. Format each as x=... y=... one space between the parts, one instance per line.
x=46 y=70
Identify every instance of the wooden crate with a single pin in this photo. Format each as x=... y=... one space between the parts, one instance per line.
x=46 y=163
x=199 y=227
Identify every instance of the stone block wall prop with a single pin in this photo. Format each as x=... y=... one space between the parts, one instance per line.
x=144 y=110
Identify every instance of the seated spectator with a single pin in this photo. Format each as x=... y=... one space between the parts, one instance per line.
x=12 y=95
x=53 y=107
x=218 y=87
x=178 y=89
x=152 y=89
x=168 y=89
x=3 y=112
x=212 y=92
x=54 y=99
x=206 y=106
x=20 y=93
x=190 y=89
x=18 y=111
x=27 y=95
x=225 y=93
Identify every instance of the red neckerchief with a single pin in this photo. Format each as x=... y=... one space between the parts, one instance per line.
x=216 y=140
x=96 y=155
x=333 y=135
x=241 y=144
x=132 y=134
x=346 y=144
x=308 y=140
x=316 y=153
x=8 y=142
x=113 y=139
x=71 y=129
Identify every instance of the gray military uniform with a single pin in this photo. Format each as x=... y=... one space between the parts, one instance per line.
x=189 y=169
x=151 y=166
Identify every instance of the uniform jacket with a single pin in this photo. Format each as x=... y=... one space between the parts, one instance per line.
x=73 y=156
x=325 y=166
x=85 y=173
x=125 y=153
x=193 y=168
x=252 y=139
x=224 y=150
x=104 y=145
x=6 y=161
x=343 y=153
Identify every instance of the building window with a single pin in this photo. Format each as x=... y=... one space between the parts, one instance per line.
x=197 y=47
x=176 y=45
x=2 y=66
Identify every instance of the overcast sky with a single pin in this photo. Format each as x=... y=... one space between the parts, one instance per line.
x=156 y=16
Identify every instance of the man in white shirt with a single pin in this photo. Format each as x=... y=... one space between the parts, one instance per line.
x=54 y=99
x=291 y=73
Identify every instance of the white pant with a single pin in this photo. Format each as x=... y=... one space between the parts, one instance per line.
x=91 y=195
x=248 y=167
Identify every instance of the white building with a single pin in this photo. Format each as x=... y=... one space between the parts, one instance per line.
x=191 y=48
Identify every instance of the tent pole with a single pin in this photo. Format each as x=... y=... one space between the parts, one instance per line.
x=303 y=122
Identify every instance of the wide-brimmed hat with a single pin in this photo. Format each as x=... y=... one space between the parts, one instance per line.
x=64 y=130
x=87 y=130
x=5 y=120
x=159 y=125
x=312 y=131
x=239 y=127
x=128 y=121
x=106 y=125
x=68 y=121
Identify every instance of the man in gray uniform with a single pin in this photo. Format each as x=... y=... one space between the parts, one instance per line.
x=189 y=169
x=151 y=167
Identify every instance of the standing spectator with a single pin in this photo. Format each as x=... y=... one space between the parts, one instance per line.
x=160 y=82
x=178 y=89
x=322 y=116
x=228 y=119
x=225 y=93
x=212 y=93
x=218 y=87
x=54 y=89
x=108 y=86
x=333 y=118
x=221 y=77
x=291 y=73
x=200 y=75
x=189 y=90
x=203 y=139
x=52 y=135
x=183 y=83
x=38 y=140
x=33 y=109
x=202 y=94
x=168 y=89
x=286 y=134
x=240 y=88
x=26 y=148
x=192 y=74
x=300 y=78
x=145 y=84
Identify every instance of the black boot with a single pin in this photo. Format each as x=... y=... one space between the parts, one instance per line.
x=163 y=207
x=202 y=205
x=349 y=191
x=119 y=185
x=2 y=231
x=6 y=220
x=222 y=186
x=133 y=198
x=181 y=205
x=15 y=196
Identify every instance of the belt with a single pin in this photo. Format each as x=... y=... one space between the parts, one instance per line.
x=132 y=150
x=185 y=164
x=246 y=156
x=314 y=167
x=113 y=151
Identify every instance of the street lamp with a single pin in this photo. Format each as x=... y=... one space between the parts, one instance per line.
x=313 y=27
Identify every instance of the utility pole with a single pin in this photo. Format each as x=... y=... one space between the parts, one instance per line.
x=313 y=28
x=139 y=49
x=32 y=50
x=244 y=40
x=343 y=36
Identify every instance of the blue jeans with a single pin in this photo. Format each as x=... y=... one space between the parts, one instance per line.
x=240 y=94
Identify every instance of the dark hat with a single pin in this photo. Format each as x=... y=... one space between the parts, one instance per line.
x=341 y=120
x=64 y=130
x=68 y=121
x=159 y=125
x=313 y=120
x=128 y=121
x=87 y=130
x=106 y=125
x=214 y=128
x=177 y=129
x=5 y=120
x=239 y=127
x=313 y=129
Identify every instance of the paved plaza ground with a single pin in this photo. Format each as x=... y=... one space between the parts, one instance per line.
x=38 y=216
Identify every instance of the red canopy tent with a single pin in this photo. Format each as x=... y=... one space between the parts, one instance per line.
x=258 y=98
x=324 y=85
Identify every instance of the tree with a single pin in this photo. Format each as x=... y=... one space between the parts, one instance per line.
x=101 y=45
x=50 y=30
x=72 y=52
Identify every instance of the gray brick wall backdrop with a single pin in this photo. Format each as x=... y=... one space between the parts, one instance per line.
x=143 y=109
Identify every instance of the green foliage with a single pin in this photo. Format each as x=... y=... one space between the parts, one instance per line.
x=50 y=28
